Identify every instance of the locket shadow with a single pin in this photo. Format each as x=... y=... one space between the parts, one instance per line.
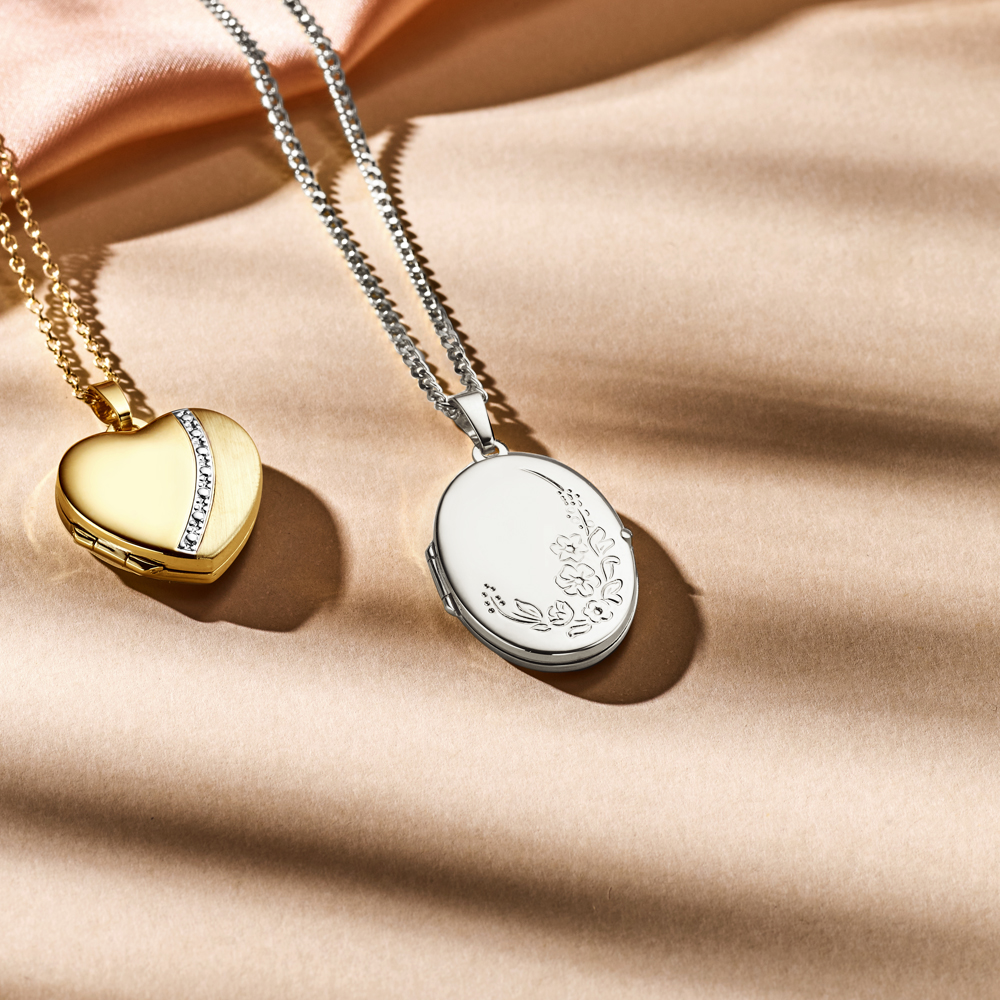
x=660 y=644
x=290 y=567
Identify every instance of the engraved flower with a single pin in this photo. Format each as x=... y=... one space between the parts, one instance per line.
x=598 y=611
x=577 y=579
x=569 y=547
x=560 y=613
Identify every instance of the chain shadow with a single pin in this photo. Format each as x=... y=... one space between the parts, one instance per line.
x=659 y=646
x=327 y=175
x=507 y=425
x=291 y=566
x=79 y=270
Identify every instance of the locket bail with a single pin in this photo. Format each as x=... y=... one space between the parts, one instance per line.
x=471 y=416
x=111 y=405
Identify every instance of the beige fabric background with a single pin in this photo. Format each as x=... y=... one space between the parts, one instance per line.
x=740 y=270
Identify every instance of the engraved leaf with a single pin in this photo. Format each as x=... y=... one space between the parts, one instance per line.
x=610 y=591
x=541 y=627
x=608 y=564
x=528 y=610
x=561 y=613
x=599 y=541
x=578 y=628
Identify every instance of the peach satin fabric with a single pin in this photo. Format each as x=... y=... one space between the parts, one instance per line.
x=81 y=78
x=737 y=262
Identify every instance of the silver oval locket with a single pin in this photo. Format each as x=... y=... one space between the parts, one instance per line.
x=534 y=561
x=526 y=552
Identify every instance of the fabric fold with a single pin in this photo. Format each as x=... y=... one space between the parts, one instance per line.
x=111 y=77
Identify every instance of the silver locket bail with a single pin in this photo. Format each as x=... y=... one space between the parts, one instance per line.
x=471 y=417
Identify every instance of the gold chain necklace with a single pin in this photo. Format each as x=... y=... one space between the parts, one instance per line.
x=176 y=498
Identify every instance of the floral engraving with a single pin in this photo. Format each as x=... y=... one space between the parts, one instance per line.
x=577 y=578
x=569 y=547
x=598 y=611
x=587 y=569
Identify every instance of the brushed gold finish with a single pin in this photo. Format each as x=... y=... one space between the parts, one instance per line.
x=126 y=496
x=238 y=479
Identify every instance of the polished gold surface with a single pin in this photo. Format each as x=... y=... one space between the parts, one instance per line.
x=127 y=497
x=136 y=486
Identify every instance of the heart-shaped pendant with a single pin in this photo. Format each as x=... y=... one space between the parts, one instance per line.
x=176 y=499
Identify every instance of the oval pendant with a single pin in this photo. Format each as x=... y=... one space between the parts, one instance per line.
x=534 y=562
x=176 y=499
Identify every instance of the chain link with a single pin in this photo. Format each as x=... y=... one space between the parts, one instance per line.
x=270 y=98
x=51 y=270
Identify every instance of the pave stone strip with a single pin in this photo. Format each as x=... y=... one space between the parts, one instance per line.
x=204 y=488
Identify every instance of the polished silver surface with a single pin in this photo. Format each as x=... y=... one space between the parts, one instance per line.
x=391 y=321
x=534 y=561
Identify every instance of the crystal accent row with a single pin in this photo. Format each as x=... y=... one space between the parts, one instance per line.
x=204 y=484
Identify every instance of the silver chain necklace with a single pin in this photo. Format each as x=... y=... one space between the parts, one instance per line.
x=284 y=132
x=542 y=593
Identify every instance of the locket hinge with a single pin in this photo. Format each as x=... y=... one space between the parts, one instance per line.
x=112 y=554
x=440 y=583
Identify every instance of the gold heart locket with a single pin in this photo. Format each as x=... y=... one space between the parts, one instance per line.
x=175 y=498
